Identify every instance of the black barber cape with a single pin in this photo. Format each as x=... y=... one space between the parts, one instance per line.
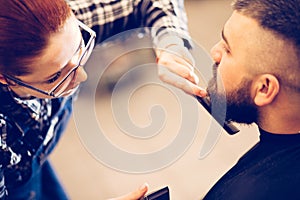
x=270 y=170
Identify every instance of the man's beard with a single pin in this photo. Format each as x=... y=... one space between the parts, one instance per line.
x=238 y=103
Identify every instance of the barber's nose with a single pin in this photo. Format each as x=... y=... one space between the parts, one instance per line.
x=81 y=75
x=216 y=53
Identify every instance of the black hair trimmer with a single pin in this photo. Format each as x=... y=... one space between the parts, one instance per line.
x=228 y=126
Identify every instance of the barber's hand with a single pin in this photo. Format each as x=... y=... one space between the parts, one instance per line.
x=175 y=67
x=135 y=195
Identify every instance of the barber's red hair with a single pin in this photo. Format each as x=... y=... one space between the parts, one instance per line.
x=25 y=29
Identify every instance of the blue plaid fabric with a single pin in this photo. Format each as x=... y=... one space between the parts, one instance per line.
x=29 y=130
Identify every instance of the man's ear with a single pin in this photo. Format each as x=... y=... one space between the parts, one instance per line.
x=266 y=89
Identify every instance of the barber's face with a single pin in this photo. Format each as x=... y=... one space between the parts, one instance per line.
x=233 y=55
x=59 y=57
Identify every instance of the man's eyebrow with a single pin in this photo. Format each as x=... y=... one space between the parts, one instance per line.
x=78 y=49
x=224 y=38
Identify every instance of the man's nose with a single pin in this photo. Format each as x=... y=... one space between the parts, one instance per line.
x=216 y=53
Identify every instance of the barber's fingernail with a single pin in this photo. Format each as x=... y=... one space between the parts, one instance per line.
x=195 y=77
x=202 y=93
x=157 y=59
x=196 y=80
x=144 y=186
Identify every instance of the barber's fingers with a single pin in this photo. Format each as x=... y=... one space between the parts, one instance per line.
x=177 y=65
x=180 y=82
x=181 y=52
x=178 y=53
x=134 y=195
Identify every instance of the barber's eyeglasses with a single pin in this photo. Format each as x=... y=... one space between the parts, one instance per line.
x=59 y=89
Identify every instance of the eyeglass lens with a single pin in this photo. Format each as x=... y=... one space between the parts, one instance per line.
x=64 y=85
x=87 y=53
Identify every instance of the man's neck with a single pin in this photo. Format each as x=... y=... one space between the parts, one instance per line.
x=280 y=118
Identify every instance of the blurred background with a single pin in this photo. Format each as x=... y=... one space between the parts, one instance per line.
x=189 y=176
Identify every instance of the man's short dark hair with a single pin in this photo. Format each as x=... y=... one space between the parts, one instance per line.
x=279 y=16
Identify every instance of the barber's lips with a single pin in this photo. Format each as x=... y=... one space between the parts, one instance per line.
x=74 y=87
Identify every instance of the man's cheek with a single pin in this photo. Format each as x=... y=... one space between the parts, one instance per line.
x=226 y=79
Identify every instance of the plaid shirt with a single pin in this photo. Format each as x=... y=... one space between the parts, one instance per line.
x=109 y=17
x=30 y=129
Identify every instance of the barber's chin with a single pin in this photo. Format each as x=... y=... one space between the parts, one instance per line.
x=69 y=92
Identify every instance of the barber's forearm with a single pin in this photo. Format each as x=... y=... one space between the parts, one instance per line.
x=171 y=27
x=107 y=18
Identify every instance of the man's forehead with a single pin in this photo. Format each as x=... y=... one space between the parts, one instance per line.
x=241 y=30
x=241 y=23
x=249 y=40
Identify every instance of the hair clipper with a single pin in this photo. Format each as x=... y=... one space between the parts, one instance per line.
x=228 y=126
x=162 y=194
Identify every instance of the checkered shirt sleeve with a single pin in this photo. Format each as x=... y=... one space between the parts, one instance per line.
x=109 y=17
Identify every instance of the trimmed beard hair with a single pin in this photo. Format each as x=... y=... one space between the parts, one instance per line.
x=238 y=103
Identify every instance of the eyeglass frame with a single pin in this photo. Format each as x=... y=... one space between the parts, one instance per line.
x=51 y=92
